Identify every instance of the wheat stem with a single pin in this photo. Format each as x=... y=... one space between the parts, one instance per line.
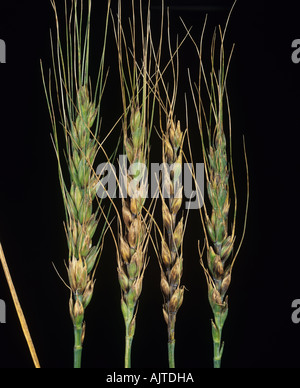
x=77 y=346
x=128 y=341
x=171 y=353
x=128 y=348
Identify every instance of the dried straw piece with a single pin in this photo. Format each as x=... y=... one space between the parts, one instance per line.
x=19 y=310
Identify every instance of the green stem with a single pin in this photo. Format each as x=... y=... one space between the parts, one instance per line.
x=217 y=338
x=171 y=352
x=130 y=330
x=171 y=340
x=77 y=346
x=217 y=355
x=128 y=347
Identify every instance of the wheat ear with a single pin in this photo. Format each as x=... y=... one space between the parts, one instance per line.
x=171 y=258
x=220 y=238
x=138 y=106
x=171 y=253
x=79 y=117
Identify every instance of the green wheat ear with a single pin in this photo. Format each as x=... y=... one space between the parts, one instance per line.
x=78 y=114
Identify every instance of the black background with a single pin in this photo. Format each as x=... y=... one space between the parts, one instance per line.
x=264 y=88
